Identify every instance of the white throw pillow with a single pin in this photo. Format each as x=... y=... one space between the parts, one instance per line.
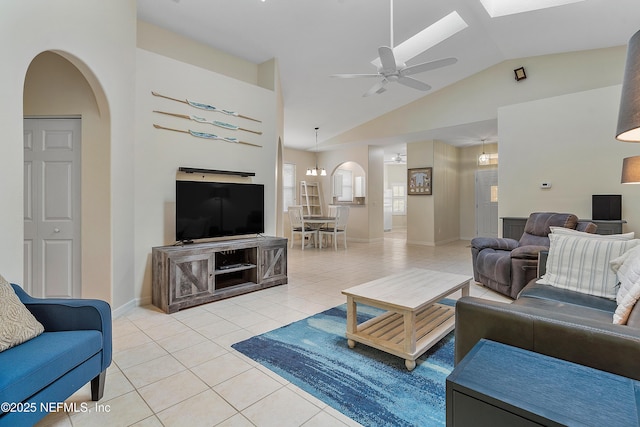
x=627 y=269
x=581 y=264
x=572 y=232
x=624 y=308
x=17 y=324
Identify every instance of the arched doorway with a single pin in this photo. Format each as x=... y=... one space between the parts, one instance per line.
x=59 y=85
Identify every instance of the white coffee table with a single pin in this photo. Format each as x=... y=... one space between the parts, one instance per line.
x=414 y=321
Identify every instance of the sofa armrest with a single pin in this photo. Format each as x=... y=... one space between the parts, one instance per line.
x=528 y=251
x=600 y=345
x=60 y=314
x=505 y=244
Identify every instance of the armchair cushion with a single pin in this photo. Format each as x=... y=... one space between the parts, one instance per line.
x=528 y=252
x=496 y=243
x=538 y=227
x=17 y=324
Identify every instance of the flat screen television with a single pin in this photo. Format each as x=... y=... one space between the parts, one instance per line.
x=206 y=210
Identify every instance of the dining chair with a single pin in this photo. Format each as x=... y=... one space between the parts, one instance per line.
x=338 y=227
x=331 y=210
x=297 y=226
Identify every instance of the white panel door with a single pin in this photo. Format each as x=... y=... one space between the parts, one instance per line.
x=487 y=203
x=52 y=207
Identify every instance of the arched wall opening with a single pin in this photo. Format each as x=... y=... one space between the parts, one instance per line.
x=58 y=84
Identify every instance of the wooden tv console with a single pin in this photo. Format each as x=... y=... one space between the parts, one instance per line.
x=194 y=274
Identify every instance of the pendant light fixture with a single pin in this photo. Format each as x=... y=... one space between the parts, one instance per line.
x=315 y=171
x=483 y=159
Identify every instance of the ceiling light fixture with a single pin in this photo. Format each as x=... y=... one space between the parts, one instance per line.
x=483 y=159
x=496 y=8
x=315 y=171
x=427 y=38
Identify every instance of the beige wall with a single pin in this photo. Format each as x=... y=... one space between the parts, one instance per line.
x=359 y=219
x=366 y=221
x=99 y=39
x=53 y=88
x=434 y=219
x=421 y=209
x=159 y=153
x=172 y=45
x=569 y=141
x=446 y=193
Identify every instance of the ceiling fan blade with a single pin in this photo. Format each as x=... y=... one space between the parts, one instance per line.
x=387 y=59
x=377 y=88
x=413 y=83
x=353 y=76
x=427 y=66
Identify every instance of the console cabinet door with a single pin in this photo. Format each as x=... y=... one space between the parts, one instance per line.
x=191 y=277
x=273 y=263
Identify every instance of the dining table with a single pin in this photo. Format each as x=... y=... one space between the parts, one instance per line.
x=317 y=222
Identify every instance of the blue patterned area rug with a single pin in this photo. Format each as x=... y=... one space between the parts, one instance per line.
x=371 y=387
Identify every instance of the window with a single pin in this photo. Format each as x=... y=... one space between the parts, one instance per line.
x=398 y=199
x=343 y=185
x=288 y=185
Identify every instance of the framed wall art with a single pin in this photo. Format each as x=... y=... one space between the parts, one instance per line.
x=419 y=181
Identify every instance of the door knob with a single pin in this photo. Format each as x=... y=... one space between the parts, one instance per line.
x=56 y=230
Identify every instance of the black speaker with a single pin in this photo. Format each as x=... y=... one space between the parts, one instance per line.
x=606 y=207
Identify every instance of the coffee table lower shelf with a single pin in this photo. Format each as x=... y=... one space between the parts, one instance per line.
x=396 y=334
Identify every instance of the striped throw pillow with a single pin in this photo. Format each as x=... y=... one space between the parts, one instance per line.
x=581 y=264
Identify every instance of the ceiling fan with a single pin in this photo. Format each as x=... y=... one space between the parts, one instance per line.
x=397 y=159
x=392 y=70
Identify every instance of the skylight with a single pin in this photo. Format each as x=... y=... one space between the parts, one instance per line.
x=497 y=8
x=427 y=38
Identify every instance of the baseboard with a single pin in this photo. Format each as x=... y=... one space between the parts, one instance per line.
x=420 y=242
x=124 y=309
x=438 y=243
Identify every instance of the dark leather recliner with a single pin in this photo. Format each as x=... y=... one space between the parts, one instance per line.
x=507 y=265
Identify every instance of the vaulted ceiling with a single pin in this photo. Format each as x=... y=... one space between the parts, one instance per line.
x=313 y=39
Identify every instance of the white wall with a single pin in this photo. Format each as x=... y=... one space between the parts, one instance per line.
x=569 y=141
x=159 y=153
x=98 y=37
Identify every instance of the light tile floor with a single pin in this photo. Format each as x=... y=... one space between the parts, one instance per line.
x=179 y=369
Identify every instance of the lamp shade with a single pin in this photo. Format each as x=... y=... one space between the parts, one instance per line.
x=631 y=170
x=629 y=114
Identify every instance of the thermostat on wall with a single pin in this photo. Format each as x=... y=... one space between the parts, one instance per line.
x=545 y=185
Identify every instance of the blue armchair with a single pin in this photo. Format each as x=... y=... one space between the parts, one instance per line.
x=74 y=349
